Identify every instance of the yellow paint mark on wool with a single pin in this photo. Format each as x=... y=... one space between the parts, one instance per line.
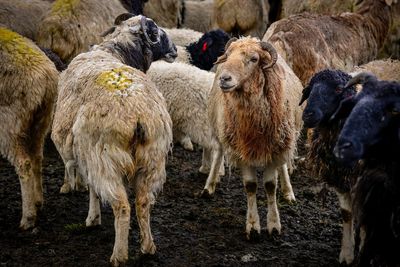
x=64 y=7
x=115 y=80
x=19 y=49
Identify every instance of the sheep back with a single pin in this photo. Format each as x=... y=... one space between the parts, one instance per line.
x=135 y=130
x=386 y=69
x=198 y=15
x=72 y=26
x=185 y=89
x=262 y=130
x=166 y=13
x=183 y=37
x=27 y=90
x=241 y=17
x=23 y=16
x=291 y=7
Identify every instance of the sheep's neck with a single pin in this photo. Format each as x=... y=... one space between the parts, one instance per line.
x=256 y=122
x=322 y=160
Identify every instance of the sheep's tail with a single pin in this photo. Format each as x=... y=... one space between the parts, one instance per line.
x=376 y=208
x=105 y=161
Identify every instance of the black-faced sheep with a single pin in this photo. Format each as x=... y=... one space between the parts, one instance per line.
x=371 y=133
x=324 y=94
x=113 y=123
x=241 y=17
x=28 y=88
x=255 y=119
x=72 y=26
x=310 y=43
x=204 y=52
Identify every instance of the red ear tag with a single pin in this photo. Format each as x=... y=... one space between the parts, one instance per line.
x=204 y=48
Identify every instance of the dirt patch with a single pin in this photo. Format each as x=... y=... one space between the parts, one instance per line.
x=188 y=231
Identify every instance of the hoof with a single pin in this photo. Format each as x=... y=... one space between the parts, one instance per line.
x=254 y=235
x=27 y=223
x=289 y=198
x=346 y=258
x=274 y=228
x=204 y=170
x=148 y=249
x=92 y=222
x=81 y=188
x=206 y=194
x=65 y=189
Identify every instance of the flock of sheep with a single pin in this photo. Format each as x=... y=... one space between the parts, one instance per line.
x=113 y=112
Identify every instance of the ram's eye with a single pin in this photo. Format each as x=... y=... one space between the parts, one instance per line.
x=338 y=90
x=253 y=59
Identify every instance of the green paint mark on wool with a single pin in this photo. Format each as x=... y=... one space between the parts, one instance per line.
x=19 y=49
x=116 y=79
x=64 y=7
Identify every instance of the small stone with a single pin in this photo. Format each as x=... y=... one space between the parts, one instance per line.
x=248 y=258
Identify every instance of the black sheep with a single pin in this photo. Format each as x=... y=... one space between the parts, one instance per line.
x=324 y=94
x=207 y=49
x=371 y=133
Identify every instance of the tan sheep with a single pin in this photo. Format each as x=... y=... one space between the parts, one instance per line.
x=291 y=7
x=28 y=88
x=197 y=15
x=72 y=26
x=310 y=42
x=255 y=118
x=241 y=17
x=23 y=16
x=387 y=69
x=115 y=123
x=166 y=13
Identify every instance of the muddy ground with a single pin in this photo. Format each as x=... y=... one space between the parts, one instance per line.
x=188 y=231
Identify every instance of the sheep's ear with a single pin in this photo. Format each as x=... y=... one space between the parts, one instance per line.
x=306 y=95
x=221 y=59
x=109 y=31
x=150 y=30
x=344 y=109
x=230 y=42
x=124 y=16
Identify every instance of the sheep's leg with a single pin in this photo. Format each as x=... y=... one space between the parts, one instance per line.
x=206 y=163
x=250 y=185
x=24 y=169
x=286 y=186
x=363 y=236
x=270 y=181
x=66 y=187
x=183 y=140
x=347 y=249
x=94 y=214
x=38 y=180
x=72 y=179
x=143 y=205
x=122 y=214
x=213 y=176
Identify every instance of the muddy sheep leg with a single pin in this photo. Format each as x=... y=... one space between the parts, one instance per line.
x=25 y=170
x=213 y=176
x=206 y=163
x=347 y=249
x=122 y=215
x=94 y=214
x=270 y=181
x=143 y=206
x=286 y=186
x=250 y=186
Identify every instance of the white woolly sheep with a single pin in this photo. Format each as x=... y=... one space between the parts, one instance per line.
x=183 y=37
x=23 y=16
x=72 y=26
x=256 y=120
x=28 y=88
x=241 y=17
x=116 y=123
x=310 y=43
x=186 y=90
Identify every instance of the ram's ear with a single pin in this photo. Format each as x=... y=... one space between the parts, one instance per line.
x=344 y=109
x=124 y=16
x=221 y=59
x=306 y=95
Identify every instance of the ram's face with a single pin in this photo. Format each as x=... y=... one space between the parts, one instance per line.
x=239 y=62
